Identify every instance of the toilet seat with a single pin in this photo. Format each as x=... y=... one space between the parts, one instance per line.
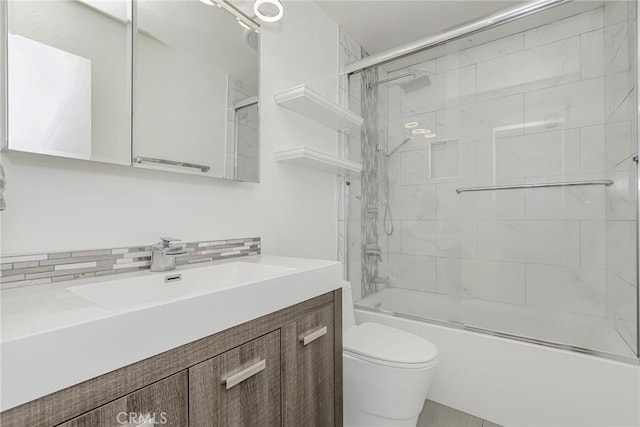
x=387 y=346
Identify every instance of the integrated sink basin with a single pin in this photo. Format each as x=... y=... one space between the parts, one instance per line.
x=57 y=335
x=170 y=285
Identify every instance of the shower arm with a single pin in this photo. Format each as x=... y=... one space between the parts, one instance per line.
x=398 y=147
x=394 y=78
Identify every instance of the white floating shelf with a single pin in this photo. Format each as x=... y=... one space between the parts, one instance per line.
x=312 y=159
x=311 y=104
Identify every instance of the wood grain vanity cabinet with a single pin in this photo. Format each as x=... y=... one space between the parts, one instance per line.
x=308 y=366
x=164 y=402
x=282 y=369
x=238 y=388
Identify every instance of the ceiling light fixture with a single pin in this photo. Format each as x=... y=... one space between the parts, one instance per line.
x=271 y=4
x=410 y=125
x=430 y=135
x=421 y=131
x=243 y=19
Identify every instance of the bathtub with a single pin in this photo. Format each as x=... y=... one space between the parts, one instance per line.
x=515 y=383
x=562 y=329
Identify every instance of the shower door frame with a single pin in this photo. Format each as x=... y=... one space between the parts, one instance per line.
x=464 y=31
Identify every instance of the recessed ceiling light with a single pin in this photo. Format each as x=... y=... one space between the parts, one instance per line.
x=410 y=125
x=430 y=135
x=421 y=131
x=270 y=5
x=210 y=3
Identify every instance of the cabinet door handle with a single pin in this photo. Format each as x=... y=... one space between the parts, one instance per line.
x=313 y=335
x=237 y=378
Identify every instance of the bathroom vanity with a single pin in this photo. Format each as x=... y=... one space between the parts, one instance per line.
x=283 y=367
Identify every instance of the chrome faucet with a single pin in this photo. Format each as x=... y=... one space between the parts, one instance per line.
x=163 y=255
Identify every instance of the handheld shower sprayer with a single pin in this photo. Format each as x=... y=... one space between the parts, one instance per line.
x=387 y=221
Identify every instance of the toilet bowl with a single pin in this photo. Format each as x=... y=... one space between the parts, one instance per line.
x=387 y=372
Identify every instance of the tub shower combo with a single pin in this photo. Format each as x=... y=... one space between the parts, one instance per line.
x=500 y=183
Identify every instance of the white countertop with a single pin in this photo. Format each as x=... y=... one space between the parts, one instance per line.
x=52 y=338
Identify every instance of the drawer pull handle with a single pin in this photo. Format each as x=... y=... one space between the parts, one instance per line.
x=247 y=373
x=313 y=335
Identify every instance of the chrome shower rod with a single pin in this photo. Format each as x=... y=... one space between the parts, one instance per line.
x=605 y=182
x=469 y=28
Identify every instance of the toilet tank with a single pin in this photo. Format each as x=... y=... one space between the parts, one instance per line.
x=348 y=316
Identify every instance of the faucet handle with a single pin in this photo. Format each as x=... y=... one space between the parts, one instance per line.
x=166 y=241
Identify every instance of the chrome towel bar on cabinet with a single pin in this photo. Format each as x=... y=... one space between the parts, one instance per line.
x=141 y=159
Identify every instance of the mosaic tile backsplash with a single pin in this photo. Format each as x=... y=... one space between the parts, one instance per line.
x=37 y=269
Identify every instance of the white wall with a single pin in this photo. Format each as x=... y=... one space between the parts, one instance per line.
x=56 y=204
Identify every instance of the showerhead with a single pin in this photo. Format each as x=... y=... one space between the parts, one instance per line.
x=419 y=79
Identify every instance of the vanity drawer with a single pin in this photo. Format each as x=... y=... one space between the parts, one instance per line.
x=161 y=403
x=238 y=388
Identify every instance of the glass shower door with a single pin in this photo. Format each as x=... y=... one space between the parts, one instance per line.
x=511 y=208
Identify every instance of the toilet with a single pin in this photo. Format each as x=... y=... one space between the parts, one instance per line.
x=387 y=371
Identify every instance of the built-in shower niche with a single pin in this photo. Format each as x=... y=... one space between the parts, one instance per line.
x=444 y=159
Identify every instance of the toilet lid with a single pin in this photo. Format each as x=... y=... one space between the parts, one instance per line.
x=386 y=344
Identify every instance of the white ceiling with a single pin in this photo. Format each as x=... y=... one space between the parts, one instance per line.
x=379 y=25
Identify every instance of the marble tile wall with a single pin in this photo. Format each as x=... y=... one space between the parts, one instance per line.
x=371 y=177
x=248 y=144
x=549 y=104
x=349 y=146
x=621 y=167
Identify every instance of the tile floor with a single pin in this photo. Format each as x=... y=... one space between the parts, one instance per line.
x=437 y=415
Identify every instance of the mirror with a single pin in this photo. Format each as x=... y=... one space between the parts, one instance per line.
x=247 y=148
x=188 y=68
x=195 y=91
x=69 y=79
